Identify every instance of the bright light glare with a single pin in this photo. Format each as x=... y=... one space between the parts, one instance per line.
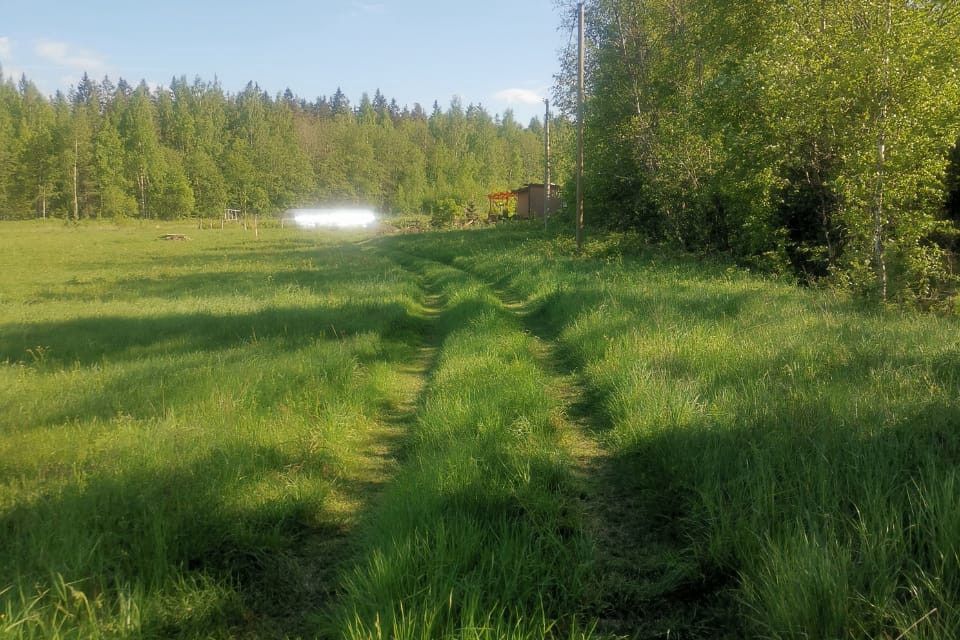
x=333 y=218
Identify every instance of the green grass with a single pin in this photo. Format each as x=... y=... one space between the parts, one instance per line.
x=480 y=535
x=803 y=451
x=183 y=425
x=325 y=435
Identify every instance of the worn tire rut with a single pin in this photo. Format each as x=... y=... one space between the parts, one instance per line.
x=643 y=587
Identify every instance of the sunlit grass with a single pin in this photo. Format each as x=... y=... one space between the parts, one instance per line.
x=480 y=536
x=230 y=437
x=182 y=425
x=803 y=450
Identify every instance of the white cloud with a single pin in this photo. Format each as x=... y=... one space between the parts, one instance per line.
x=6 y=48
x=518 y=96
x=65 y=55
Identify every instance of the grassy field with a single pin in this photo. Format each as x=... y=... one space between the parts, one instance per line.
x=466 y=434
x=189 y=430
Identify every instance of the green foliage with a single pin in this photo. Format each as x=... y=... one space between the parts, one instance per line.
x=249 y=151
x=191 y=150
x=818 y=132
x=175 y=195
x=444 y=212
x=207 y=183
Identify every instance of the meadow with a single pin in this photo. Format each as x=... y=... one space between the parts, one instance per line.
x=473 y=434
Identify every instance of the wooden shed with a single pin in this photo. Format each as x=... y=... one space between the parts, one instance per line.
x=530 y=200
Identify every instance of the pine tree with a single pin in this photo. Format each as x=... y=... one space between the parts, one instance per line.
x=85 y=105
x=339 y=103
x=381 y=106
x=9 y=106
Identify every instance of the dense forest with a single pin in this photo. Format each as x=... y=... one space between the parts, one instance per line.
x=814 y=137
x=113 y=150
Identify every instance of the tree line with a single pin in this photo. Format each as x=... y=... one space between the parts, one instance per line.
x=819 y=137
x=105 y=150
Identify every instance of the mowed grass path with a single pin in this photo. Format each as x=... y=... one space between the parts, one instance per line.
x=471 y=435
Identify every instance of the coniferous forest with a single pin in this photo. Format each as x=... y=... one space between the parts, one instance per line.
x=816 y=138
x=106 y=150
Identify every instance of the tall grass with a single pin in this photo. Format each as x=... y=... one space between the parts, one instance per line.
x=183 y=425
x=803 y=449
x=205 y=439
x=479 y=537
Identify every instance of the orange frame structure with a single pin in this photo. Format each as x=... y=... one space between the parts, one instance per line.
x=500 y=202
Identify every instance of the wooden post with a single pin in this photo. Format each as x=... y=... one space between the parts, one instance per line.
x=546 y=162
x=256 y=226
x=76 y=198
x=580 y=74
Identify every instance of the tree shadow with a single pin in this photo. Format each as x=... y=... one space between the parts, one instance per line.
x=92 y=340
x=151 y=528
x=690 y=508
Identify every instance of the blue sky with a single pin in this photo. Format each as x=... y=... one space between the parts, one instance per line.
x=496 y=52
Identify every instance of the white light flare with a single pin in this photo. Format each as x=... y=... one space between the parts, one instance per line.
x=333 y=218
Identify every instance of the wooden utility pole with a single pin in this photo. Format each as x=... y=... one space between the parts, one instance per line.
x=76 y=198
x=580 y=74
x=546 y=163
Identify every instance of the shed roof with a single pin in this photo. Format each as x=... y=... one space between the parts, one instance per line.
x=535 y=185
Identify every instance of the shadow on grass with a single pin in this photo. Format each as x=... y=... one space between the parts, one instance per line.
x=150 y=529
x=269 y=560
x=92 y=340
x=688 y=509
x=789 y=513
x=320 y=280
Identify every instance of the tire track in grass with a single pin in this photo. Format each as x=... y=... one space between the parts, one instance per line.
x=380 y=449
x=602 y=499
x=629 y=572
x=643 y=583
x=478 y=536
x=609 y=507
x=359 y=485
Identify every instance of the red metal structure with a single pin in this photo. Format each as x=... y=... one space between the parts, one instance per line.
x=500 y=202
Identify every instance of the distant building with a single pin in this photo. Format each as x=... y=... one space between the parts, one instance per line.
x=530 y=200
